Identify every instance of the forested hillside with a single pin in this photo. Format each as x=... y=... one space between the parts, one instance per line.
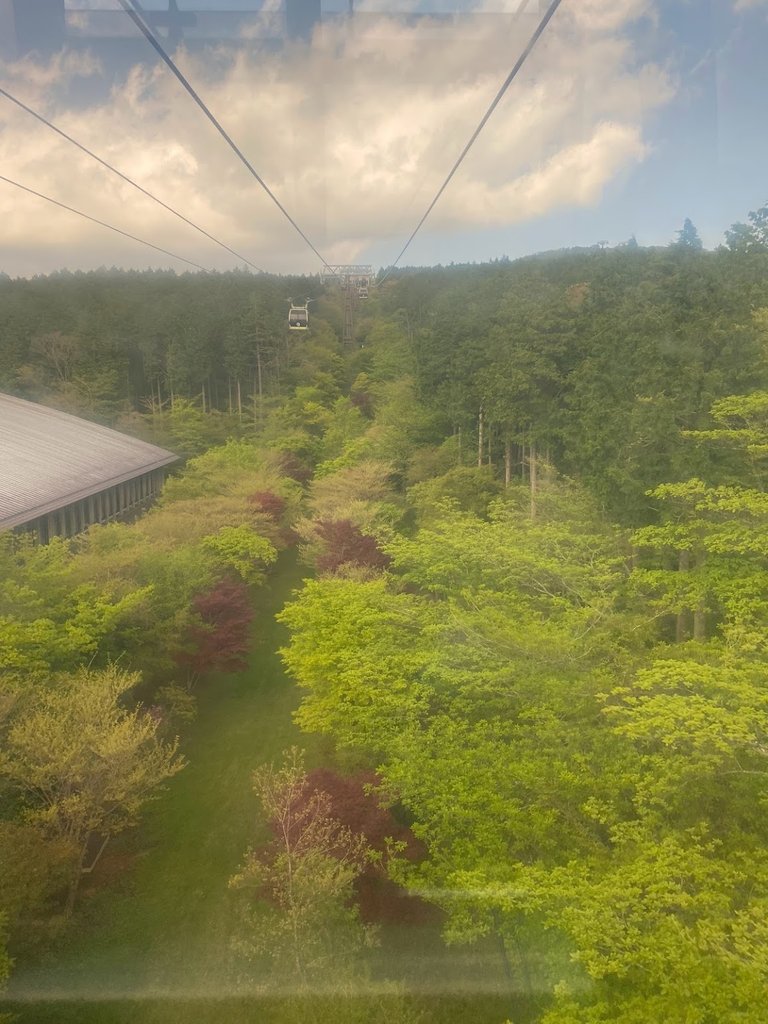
x=530 y=643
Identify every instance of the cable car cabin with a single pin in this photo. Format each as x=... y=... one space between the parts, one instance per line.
x=298 y=318
x=362 y=291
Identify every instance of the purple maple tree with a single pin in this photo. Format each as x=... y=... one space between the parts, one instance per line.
x=269 y=504
x=345 y=544
x=354 y=803
x=221 y=639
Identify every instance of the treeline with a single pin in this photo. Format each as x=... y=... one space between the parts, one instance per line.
x=593 y=361
x=596 y=362
x=107 y=343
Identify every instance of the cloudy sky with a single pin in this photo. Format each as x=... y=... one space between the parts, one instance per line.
x=630 y=116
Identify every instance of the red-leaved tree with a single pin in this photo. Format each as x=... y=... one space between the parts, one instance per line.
x=297 y=894
x=363 y=401
x=346 y=544
x=220 y=641
x=269 y=504
x=294 y=467
x=354 y=804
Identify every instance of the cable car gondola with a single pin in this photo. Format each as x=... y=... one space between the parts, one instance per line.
x=298 y=316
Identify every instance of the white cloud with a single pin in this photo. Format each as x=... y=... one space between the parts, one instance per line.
x=602 y=16
x=354 y=134
x=60 y=71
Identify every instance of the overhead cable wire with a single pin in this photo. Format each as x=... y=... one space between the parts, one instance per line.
x=130 y=181
x=497 y=99
x=134 y=11
x=102 y=223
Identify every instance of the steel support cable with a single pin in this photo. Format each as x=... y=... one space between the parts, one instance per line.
x=103 y=224
x=130 y=181
x=133 y=10
x=497 y=99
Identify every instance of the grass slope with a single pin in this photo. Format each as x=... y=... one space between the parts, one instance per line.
x=163 y=925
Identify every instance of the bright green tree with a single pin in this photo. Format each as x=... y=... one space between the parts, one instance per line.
x=82 y=764
x=604 y=831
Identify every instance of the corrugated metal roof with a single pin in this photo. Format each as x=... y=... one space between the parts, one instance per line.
x=49 y=459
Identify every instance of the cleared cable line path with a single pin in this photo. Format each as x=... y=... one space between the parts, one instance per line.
x=156 y=924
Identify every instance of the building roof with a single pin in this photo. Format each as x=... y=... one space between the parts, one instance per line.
x=49 y=459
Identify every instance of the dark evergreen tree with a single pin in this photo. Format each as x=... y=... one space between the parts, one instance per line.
x=688 y=237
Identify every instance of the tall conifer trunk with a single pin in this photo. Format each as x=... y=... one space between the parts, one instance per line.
x=699 y=624
x=682 y=626
x=699 y=614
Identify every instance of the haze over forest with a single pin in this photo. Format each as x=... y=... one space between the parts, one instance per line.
x=477 y=603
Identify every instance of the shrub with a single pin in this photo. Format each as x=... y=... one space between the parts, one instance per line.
x=269 y=504
x=220 y=641
x=345 y=544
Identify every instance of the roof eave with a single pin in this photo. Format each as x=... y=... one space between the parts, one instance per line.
x=63 y=501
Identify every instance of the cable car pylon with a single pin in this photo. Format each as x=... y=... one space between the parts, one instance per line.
x=349 y=315
x=354 y=279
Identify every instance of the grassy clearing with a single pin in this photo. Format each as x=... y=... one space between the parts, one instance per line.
x=150 y=943
x=433 y=1010
x=163 y=922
